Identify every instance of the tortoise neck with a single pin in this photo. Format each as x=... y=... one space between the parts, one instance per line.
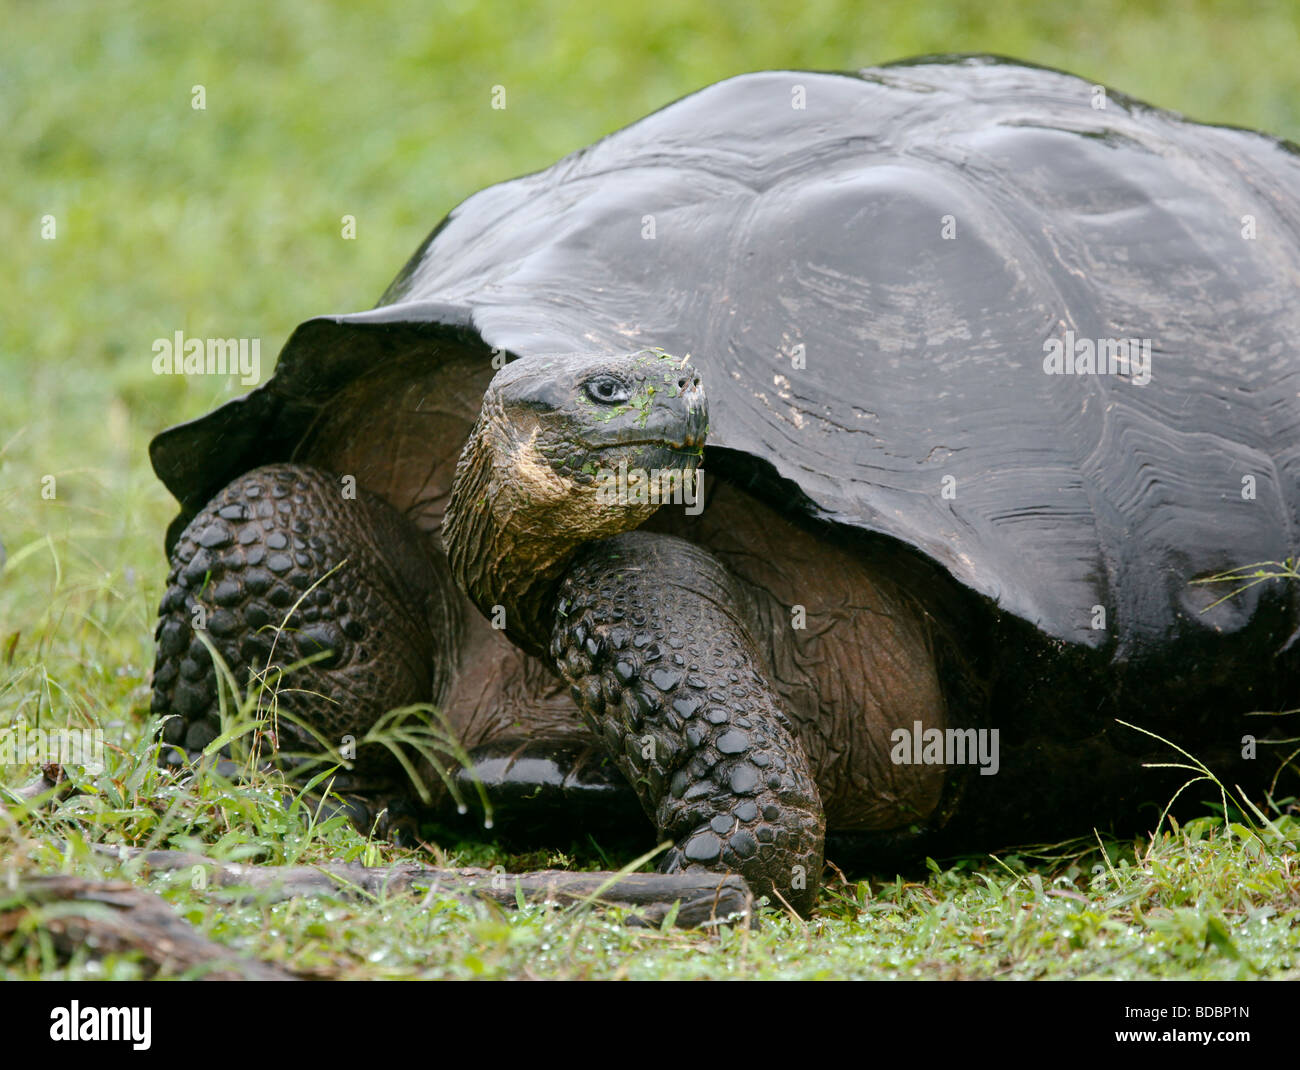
x=500 y=554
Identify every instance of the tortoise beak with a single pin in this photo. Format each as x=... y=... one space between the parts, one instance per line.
x=680 y=417
x=696 y=406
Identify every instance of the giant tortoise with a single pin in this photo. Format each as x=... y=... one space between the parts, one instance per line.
x=984 y=368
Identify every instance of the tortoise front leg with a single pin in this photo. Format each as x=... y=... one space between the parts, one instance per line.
x=649 y=632
x=278 y=567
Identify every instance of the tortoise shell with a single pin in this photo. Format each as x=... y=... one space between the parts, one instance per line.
x=891 y=281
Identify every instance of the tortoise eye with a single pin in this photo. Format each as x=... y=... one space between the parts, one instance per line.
x=607 y=390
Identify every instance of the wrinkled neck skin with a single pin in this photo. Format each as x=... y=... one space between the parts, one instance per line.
x=513 y=525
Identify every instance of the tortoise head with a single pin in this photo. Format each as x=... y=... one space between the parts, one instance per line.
x=568 y=449
x=562 y=428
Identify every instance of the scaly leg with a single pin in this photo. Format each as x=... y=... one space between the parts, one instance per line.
x=650 y=633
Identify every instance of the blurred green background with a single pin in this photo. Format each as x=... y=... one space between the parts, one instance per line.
x=227 y=221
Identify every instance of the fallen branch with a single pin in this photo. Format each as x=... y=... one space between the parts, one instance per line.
x=114 y=916
x=51 y=776
x=705 y=898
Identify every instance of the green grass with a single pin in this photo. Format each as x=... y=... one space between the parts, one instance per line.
x=1194 y=902
x=226 y=222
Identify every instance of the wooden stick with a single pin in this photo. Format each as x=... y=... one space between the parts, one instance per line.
x=120 y=917
x=706 y=898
